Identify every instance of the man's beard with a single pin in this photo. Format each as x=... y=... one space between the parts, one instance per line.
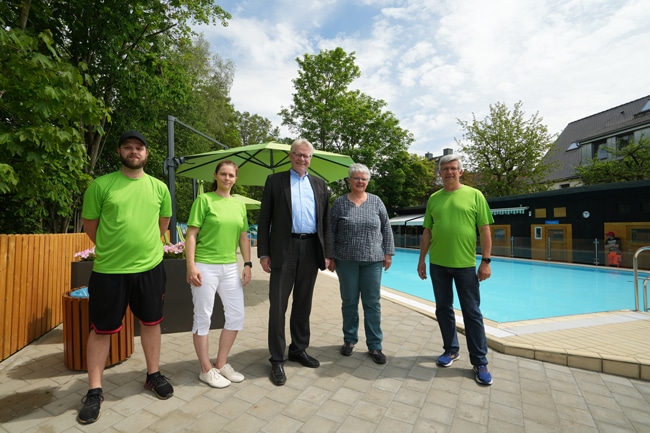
x=133 y=165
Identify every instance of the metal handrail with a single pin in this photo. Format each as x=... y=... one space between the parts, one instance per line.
x=635 y=266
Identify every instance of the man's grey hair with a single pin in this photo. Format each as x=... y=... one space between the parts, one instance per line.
x=447 y=159
x=302 y=142
x=358 y=168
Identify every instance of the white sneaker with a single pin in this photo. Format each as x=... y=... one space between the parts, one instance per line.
x=229 y=373
x=214 y=379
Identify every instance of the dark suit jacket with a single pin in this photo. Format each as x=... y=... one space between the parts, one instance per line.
x=274 y=224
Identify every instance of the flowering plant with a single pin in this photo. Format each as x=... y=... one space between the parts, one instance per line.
x=86 y=255
x=174 y=251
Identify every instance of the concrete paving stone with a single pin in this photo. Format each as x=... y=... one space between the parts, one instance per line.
x=387 y=384
x=440 y=414
x=471 y=412
x=266 y=409
x=424 y=425
x=318 y=396
x=334 y=410
x=599 y=400
x=378 y=397
x=300 y=410
x=388 y=425
x=541 y=414
x=244 y=423
x=541 y=400
x=576 y=416
x=402 y=412
x=569 y=399
x=353 y=424
x=505 y=413
x=232 y=408
x=461 y=425
x=506 y=398
x=282 y=424
x=318 y=424
x=368 y=411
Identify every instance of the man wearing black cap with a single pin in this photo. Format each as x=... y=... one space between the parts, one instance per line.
x=124 y=214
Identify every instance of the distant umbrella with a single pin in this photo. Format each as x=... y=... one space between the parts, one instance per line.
x=257 y=161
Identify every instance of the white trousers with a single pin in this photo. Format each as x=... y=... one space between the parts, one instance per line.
x=222 y=279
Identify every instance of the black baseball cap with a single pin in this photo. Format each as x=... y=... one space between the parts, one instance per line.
x=132 y=134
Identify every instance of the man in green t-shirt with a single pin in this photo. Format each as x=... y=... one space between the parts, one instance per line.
x=125 y=213
x=450 y=222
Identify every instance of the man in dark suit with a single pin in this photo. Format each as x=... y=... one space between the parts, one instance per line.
x=294 y=240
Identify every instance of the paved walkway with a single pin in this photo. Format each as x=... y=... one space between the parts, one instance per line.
x=346 y=394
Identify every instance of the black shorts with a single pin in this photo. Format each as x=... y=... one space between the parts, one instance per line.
x=110 y=294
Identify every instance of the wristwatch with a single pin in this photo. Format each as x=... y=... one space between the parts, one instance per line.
x=486 y=260
x=249 y=264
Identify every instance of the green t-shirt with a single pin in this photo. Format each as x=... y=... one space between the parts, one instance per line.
x=453 y=218
x=128 y=234
x=221 y=221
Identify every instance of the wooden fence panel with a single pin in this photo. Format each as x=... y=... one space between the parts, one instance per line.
x=34 y=274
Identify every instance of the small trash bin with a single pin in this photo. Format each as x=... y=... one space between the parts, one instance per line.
x=76 y=328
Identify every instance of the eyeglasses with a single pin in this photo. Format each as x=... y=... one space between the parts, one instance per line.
x=359 y=179
x=301 y=155
x=452 y=169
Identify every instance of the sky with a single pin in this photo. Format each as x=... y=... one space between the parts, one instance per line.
x=435 y=62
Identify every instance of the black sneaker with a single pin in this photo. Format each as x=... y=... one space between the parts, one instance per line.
x=92 y=401
x=160 y=386
x=378 y=356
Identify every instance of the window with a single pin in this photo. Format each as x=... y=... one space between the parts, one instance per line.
x=600 y=149
x=623 y=140
x=573 y=146
x=640 y=235
x=559 y=212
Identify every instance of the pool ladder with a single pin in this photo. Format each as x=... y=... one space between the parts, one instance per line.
x=635 y=264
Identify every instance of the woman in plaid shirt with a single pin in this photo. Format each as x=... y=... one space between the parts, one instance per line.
x=363 y=245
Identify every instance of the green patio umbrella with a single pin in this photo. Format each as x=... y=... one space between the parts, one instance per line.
x=251 y=203
x=257 y=161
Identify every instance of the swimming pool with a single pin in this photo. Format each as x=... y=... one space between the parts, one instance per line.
x=525 y=289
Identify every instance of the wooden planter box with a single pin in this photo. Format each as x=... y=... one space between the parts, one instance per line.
x=76 y=328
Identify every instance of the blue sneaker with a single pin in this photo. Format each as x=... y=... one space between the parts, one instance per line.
x=448 y=358
x=483 y=376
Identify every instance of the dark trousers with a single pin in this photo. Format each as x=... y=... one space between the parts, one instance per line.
x=296 y=273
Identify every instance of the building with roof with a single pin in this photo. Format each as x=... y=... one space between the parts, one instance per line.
x=584 y=139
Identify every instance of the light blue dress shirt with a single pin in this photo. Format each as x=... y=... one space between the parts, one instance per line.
x=303 y=205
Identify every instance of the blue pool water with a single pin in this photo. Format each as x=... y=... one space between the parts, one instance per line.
x=526 y=289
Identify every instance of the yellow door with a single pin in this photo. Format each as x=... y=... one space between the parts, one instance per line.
x=551 y=242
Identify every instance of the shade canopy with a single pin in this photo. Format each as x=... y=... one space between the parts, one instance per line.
x=251 y=203
x=257 y=161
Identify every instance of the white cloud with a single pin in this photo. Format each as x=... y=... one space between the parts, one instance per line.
x=436 y=62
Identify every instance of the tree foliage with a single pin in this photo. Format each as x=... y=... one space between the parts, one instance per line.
x=139 y=61
x=506 y=151
x=628 y=163
x=254 y=129
x=337 y=119
x=44 y=109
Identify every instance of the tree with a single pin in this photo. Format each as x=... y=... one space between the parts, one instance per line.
x=340 y=120
x=254 y=129
x=44 y=108
x=405 y=180
x=506 y=151
x=628 y=163
x=129 y=54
